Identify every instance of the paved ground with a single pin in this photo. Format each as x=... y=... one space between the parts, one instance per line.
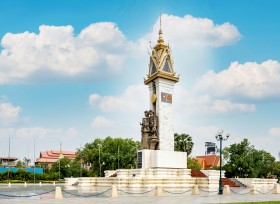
x=47 y=197
x=151 y=199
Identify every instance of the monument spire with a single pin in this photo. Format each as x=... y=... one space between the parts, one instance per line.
x=161 y=63
x=160 y=38
x=157 y=127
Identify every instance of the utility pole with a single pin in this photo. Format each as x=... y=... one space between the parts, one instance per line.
x=81 y=161
x=9 y=159
x=59 y=162
x=34 y=162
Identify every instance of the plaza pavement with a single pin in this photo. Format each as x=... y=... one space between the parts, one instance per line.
x=152 y=199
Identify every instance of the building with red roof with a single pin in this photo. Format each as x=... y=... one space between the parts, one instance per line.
x=208 y=161
x=52 y=156
x=8 y=161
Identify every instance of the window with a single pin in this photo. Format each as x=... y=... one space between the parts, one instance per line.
x=166 y=67
x=154 y=69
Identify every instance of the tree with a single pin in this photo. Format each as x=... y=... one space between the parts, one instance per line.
x=193 y=164
x=68 y=168
x=244 y=160
x=114 y=153
x=26 y=161
x=277 y=169
x=44 y=166
x=183 y=143
x=19 y=164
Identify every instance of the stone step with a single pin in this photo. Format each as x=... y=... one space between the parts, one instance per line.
x=230 y=183
x=197 y=174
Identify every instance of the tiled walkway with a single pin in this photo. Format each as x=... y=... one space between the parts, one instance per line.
x=152 y=199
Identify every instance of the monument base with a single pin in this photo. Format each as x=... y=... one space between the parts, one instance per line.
x=161 y=159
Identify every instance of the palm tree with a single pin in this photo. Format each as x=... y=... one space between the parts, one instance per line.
x=183 y=143
x=26 y=161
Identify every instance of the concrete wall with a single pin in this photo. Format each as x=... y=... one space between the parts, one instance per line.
x=258 y=182
x=213 y=173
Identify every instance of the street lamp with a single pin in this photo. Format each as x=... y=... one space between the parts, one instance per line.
x=220 y=138
x=81 y=161
x=240 y=169
x=99 y=145
x=118 y=157
x=136 y=163
x=69 y=170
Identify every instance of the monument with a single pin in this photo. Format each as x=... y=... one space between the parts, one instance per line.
x=157 y=162
x=157 y=140
x=159 y=166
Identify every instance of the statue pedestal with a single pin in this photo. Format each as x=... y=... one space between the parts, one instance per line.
x=161 y=159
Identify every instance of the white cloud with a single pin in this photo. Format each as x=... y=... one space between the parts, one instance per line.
x=101 y=122
x=189 y=31
x=22 y=140
x=250 y=80
x=275 y=132
x=38 y=133
x=9 y=113
x=94 y=99
x=6 y=132
x=227 y=106
x=44 y=133
x=135 y=97
x=204 y=104
x=99 y=49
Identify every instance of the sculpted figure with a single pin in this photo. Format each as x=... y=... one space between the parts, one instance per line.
x=153 y=136
x=145 y=129
x=149 y=139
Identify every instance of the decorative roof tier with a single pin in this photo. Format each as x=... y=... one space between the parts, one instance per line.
x=161 y=62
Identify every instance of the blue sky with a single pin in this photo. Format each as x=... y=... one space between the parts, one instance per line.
x=72 y=71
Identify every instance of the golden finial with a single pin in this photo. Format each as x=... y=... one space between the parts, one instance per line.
x=160 y=22
x=160 y=39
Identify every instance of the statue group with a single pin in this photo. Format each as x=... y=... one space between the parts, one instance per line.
x=149 y=131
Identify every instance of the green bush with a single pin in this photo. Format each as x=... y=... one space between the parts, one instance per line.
x=22 y=176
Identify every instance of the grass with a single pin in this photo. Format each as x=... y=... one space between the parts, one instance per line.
x=265 y=202
x=30 y=181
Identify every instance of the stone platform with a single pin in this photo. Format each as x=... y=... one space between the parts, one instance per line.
x=149 y=178
x=161 y=159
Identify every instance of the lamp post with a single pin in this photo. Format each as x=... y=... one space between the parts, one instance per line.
x=240 y=169
x=99 y=145
x=68 y=169
x=136 y=163
x=81 y=161
x=220 y=138
x=118 y=157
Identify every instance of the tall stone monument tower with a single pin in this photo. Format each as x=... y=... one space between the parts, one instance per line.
x=161 y=80
x=157 y=142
